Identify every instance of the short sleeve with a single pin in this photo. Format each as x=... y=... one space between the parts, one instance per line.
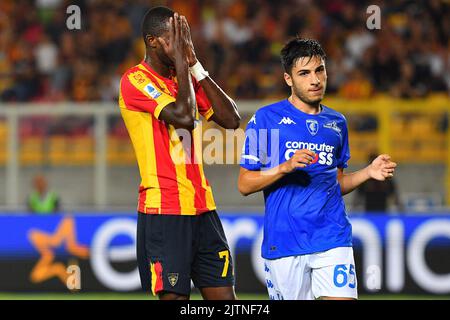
x=204 y=105
x=139 y=93
x=344 y=151
x=253 y=151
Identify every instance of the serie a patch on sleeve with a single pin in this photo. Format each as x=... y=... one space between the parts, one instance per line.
x=152 y=91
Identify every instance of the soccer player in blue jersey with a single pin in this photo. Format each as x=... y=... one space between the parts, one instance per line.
x=296 y=151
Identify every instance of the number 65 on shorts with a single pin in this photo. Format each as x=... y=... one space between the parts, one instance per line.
x=329 y=273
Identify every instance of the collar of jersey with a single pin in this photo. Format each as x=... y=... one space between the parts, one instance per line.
x=292 y=107
x=150 y=69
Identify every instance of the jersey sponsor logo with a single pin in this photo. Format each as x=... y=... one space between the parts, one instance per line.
x=324 y=152
x=152 y=91
x=332 y=125
x=173 y=278
x=286 y=120
x=252 y=119
x=313 y=126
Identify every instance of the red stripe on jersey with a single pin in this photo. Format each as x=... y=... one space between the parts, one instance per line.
x=167 y=175
x=142 y=198
x=193 y=174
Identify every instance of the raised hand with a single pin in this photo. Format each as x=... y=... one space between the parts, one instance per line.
x=175 y=46
x=190 y=51
x=300 y=159
x=382 y=168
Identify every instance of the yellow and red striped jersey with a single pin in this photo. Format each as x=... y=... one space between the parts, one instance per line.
x=173 y=181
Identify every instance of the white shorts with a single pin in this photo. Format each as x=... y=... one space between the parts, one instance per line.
x=329 y=273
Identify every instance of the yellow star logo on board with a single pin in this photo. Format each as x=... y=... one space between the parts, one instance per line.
x=45 y=243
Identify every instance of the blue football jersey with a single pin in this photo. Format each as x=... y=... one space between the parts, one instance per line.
x=304 y=210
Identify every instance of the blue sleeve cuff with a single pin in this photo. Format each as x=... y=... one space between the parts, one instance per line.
x=251 y=167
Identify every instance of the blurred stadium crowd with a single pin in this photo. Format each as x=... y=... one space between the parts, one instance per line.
x=238 y=41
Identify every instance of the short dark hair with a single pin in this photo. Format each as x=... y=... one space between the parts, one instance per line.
x=154 y=21
x=298 y=48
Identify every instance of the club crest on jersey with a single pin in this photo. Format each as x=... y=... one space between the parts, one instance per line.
x=313 y=126
x=332 y=125
x=152 y=92
x=173 y=278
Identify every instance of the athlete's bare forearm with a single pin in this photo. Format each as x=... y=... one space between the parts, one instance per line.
x=225 y=109
x=380 y=169
x=253 y=181
x=351 y=181
x=185 y=103
x=180 y=113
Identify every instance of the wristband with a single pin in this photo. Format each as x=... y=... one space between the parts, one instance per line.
x=198 y=72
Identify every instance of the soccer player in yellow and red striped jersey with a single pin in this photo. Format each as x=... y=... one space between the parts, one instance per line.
x=180 y=236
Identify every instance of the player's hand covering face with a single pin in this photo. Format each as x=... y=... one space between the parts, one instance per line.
x=308 y=79
x=190 y=52
x=382 y=168
x=174 y=42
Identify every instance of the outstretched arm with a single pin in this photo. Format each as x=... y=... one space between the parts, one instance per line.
x=380 y=169
x=225 y=110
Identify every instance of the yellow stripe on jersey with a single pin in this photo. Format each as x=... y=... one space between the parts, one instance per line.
x=144 y=84
x=210 y=203
x=209 y=113
x=140 y=129
x=186 y=189
x=197 y=140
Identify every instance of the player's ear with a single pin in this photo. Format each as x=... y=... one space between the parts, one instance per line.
x=151 y=41
x=288 y=79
